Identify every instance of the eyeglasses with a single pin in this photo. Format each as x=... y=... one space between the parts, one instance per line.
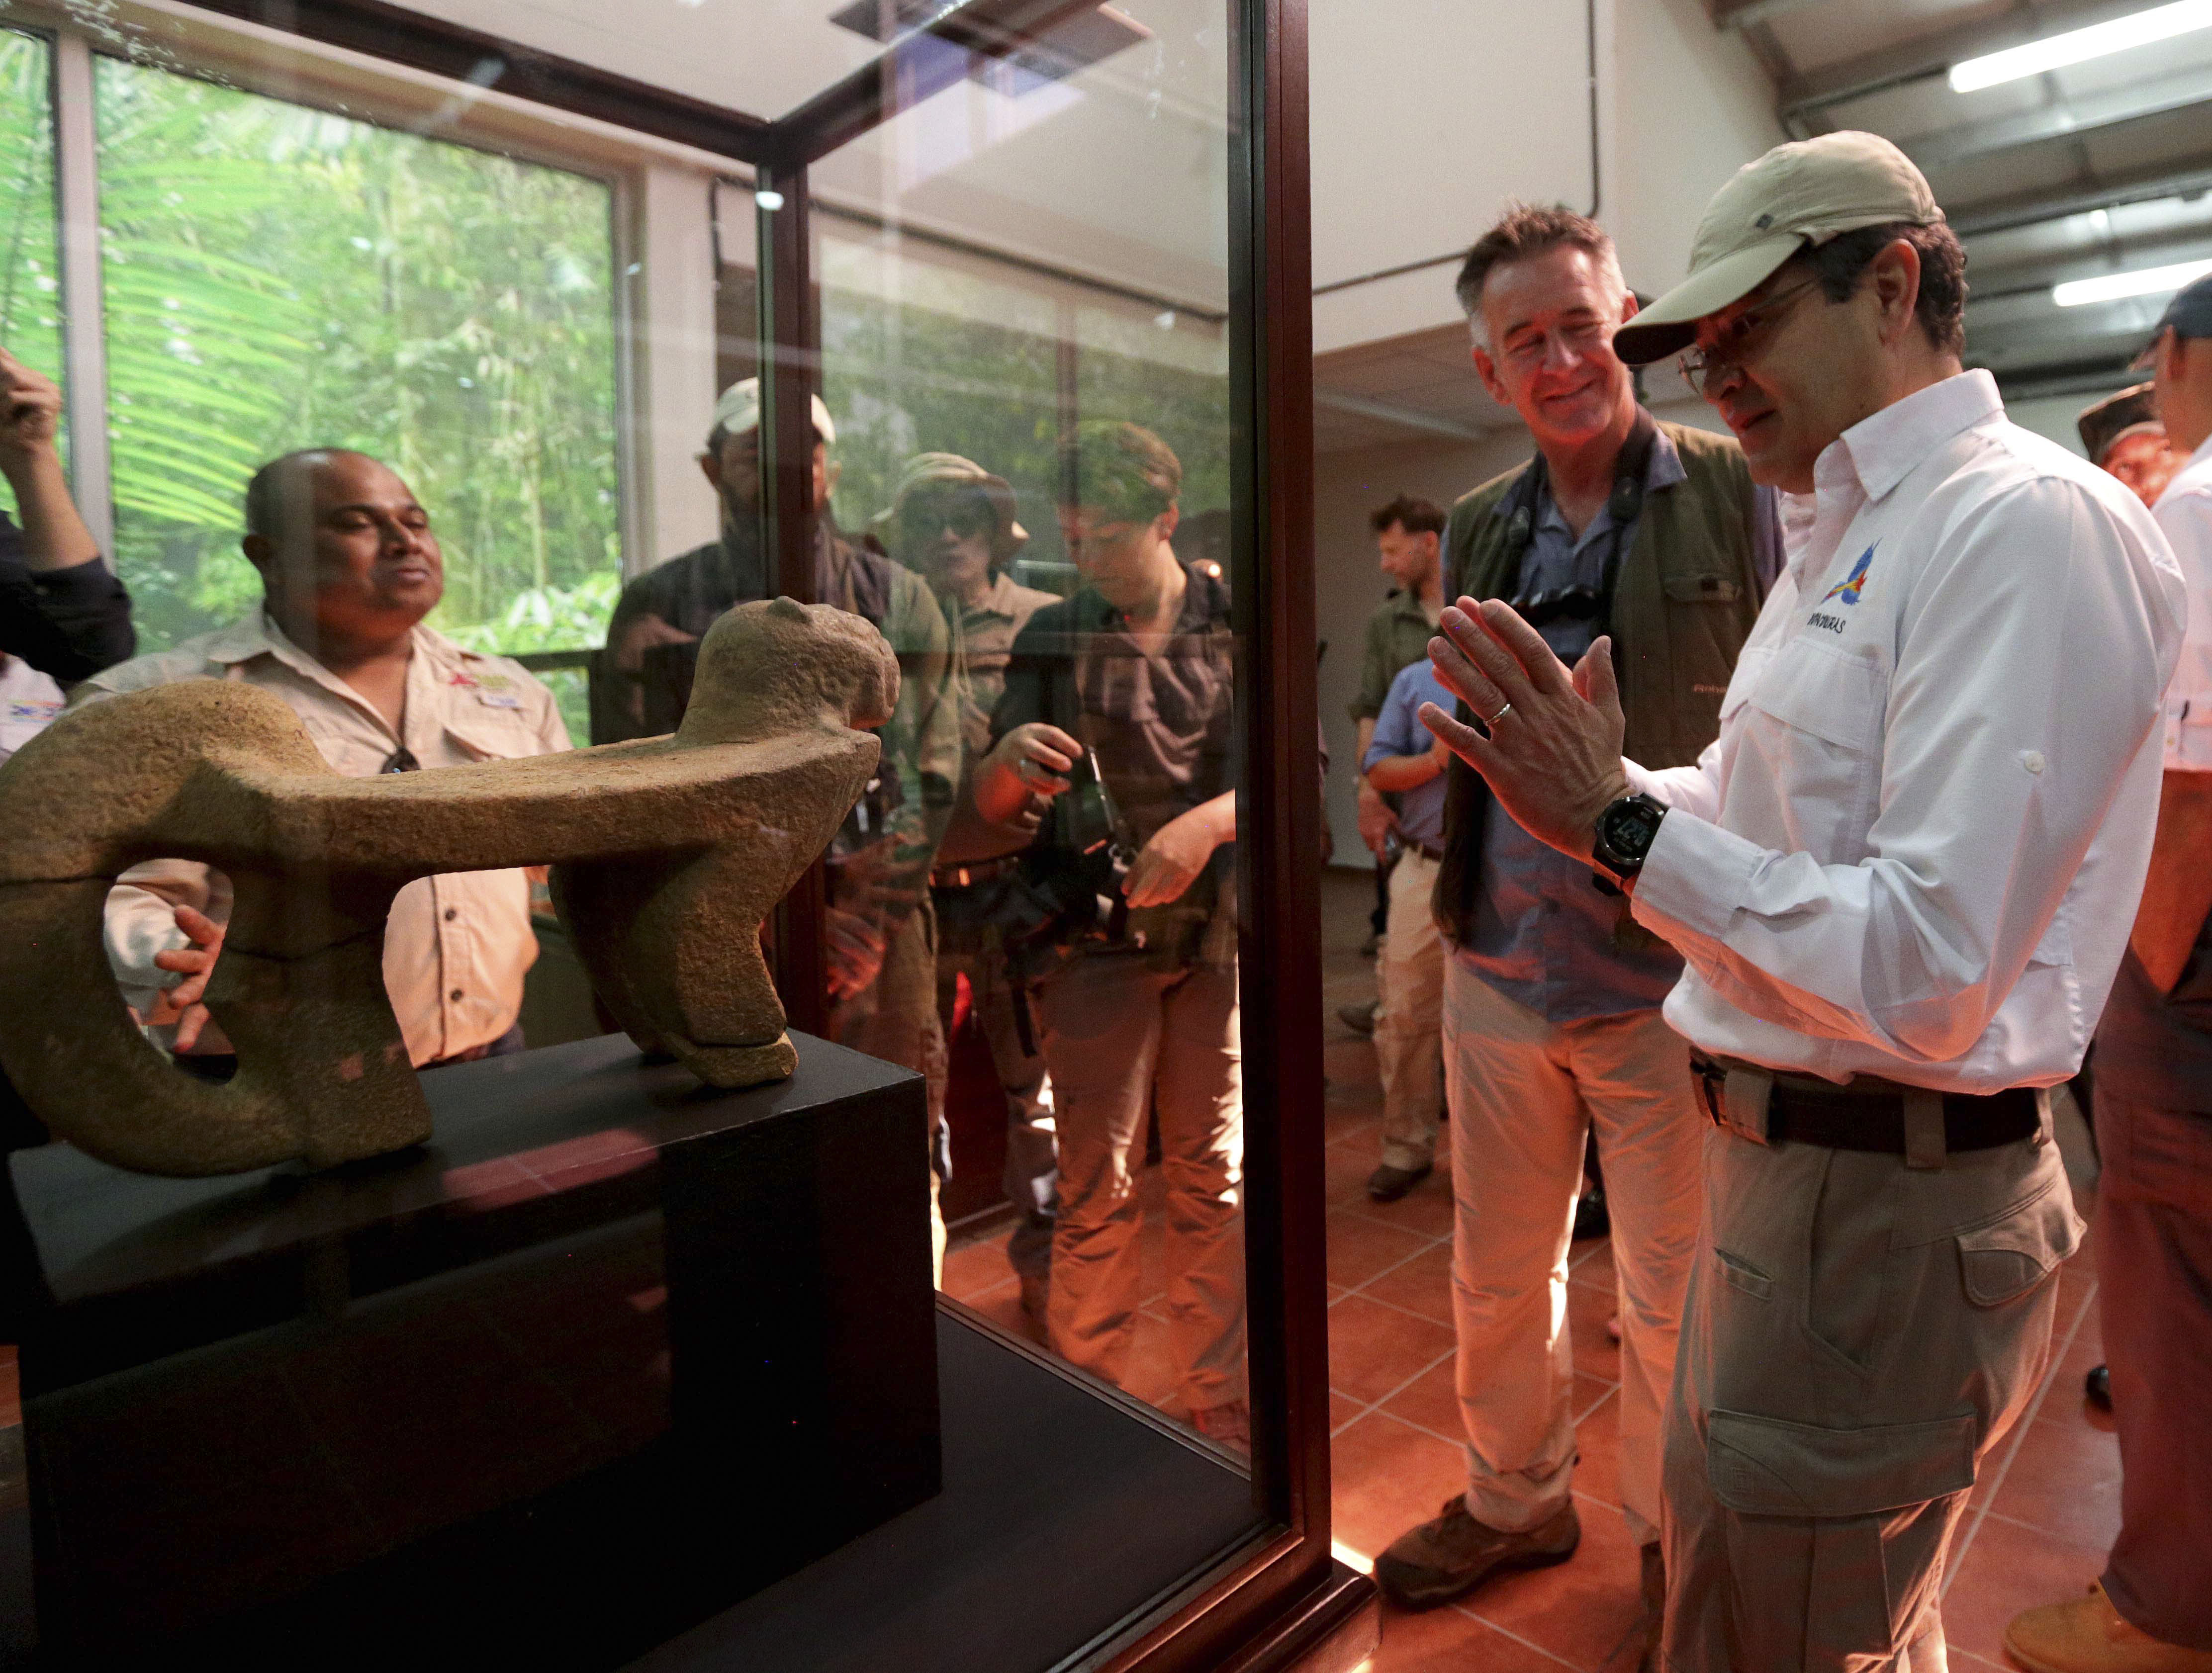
x=967 y=514
x=1738 y=338
x=401 y=760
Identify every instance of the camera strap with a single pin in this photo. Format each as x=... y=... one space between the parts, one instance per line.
x=1624 y=506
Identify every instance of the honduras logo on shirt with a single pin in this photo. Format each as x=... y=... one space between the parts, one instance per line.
x=1852 y=585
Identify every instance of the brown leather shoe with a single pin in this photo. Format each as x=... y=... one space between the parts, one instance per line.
x=2089 y=1635
x=1450 y=1556
x=1388 y=1184
x=1654 y=1605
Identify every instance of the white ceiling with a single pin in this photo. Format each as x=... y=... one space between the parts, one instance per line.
x=2103 y=167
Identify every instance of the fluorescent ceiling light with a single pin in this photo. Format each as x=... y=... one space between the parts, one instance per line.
x=2115 y=287
x=2077 y=46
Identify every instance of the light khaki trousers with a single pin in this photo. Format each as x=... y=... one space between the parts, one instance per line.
x=1409 y=973
x=1859 y=1334
x=895 y=1018
x=1124 y=1039
x=1524 y=1093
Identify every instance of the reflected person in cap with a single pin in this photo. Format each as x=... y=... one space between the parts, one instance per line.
x=879 y=927
x=2123 y=436
x=2152 y=1607
x=1900 y=880
x=954 y=523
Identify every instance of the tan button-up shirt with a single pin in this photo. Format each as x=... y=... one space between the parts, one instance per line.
x=456 y=945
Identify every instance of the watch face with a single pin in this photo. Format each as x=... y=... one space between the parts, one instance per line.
x=1628 y=826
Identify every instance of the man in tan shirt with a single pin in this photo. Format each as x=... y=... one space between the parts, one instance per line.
x=350 y=569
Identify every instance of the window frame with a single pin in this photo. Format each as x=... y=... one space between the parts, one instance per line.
x=647 y=242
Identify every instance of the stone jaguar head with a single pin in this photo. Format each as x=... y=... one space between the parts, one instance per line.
x=777 y=665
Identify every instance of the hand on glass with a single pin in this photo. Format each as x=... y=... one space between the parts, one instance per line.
x=856 y=947
x=1170 y=862
x=1376 y=822
x=1553 y=761
x=30 y=411
x=182 y=1001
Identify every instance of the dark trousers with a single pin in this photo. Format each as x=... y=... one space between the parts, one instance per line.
x=2155 y=1289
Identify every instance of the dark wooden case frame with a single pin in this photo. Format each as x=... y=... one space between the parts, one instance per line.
x=1286 y=1595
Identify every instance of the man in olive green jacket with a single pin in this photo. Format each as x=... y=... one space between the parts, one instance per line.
x=1653 y=533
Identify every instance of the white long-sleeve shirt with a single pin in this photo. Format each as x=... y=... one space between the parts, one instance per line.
x=1916 y=849
x=2184 y=513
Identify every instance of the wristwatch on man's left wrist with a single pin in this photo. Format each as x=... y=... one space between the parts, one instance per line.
x=1625 y=832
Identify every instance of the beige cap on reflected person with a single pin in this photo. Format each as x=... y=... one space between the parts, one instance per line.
x=1796 y=195
x=738 y=411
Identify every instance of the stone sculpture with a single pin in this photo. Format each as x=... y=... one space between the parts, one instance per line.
x=667 y=853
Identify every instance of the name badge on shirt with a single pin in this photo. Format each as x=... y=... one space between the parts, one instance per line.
x=494 y=691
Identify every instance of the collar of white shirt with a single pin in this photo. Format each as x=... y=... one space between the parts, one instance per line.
x=1868 y=461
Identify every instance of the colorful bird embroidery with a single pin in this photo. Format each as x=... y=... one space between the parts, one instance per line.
x=1852 y=585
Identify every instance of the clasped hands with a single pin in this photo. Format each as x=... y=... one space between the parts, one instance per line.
x=1552 y=759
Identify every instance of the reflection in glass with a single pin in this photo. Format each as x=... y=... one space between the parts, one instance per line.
x=1023 y=313
x=275 y=277
x=30 y=263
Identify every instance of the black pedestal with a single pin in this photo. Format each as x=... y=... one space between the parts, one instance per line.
x=612 y=1352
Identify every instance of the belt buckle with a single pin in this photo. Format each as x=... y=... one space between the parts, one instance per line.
x=1746 y=1095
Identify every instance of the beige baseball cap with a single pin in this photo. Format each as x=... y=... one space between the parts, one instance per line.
x=1795 y=196
x=738 y=411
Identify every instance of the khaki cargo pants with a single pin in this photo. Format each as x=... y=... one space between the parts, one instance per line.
x=1858 y=1336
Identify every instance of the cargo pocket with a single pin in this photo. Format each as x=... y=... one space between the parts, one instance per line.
x=1852 y=1516
x=1743 y=1275
x=2000 y=1264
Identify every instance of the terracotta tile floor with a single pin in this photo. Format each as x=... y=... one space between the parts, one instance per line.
x=2047 y=1505
x=2044 y=1510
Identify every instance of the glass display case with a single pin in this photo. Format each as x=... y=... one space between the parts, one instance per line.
x=987 y=323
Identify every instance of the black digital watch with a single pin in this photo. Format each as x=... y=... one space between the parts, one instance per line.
x=1625 y=832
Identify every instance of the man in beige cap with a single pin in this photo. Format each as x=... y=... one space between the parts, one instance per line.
x=881 y=933
x=1901 y=881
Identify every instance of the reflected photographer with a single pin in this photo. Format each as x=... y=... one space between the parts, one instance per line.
x=1117 y=710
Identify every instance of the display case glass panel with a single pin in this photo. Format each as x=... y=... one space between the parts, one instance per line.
x=448 y=373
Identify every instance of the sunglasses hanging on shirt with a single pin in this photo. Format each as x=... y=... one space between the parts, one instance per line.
x=1624 y=506
x=401 y=760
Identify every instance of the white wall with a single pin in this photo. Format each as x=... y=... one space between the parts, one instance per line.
x=1426 y=119
x=1689 y=105
x=2051 y=415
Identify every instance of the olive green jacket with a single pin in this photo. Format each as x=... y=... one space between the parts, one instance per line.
x=1687 y=593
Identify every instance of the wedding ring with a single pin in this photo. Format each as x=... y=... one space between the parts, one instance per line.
x=1493 y=722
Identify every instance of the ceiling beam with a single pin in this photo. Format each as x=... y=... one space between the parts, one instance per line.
x=1743 y=14
x=2078 y=117
x=2037 y=209
x=1801 y=99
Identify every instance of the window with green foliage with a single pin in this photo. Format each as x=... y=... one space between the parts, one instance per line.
x=30 y=267
x=925 y=350
x=278 y=277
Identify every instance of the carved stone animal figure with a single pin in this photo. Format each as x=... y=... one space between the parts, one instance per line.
x=667 y=853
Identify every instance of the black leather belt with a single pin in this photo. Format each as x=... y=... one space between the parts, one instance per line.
x=968 y=876
x=1801 y=1110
